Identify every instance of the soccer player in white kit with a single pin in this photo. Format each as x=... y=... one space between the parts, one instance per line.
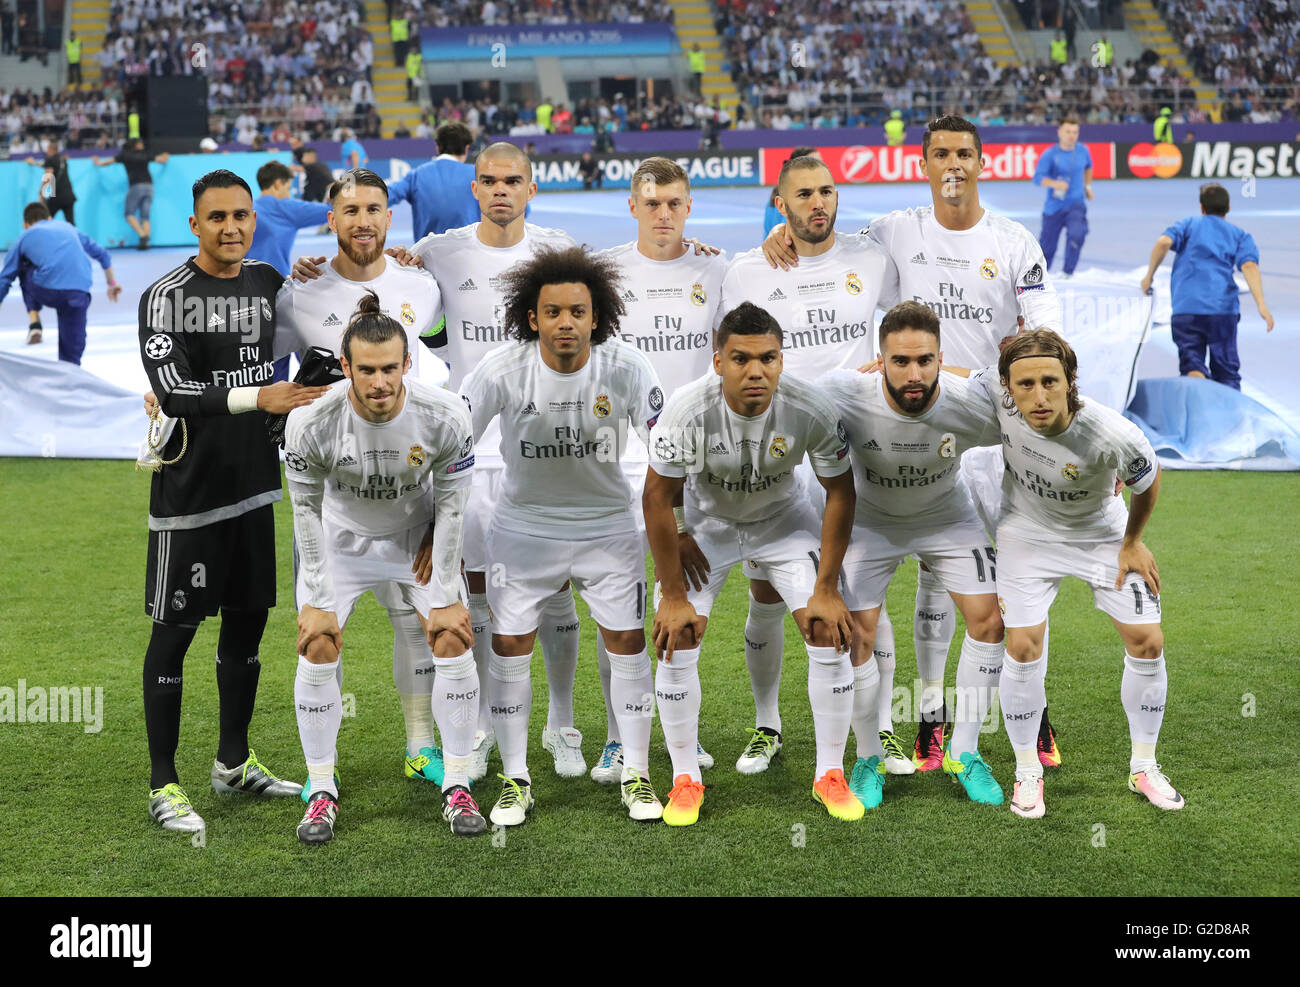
x=672 y=296
x=314 y=312
x=564 y=389
x=379 y=477
x=469 y=263
x=732 y=439
x=1062 y=517
x=826 y=308
x=907 y=434
x=981 y=273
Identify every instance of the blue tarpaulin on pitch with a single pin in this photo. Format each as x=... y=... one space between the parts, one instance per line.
x=1200 y=424
x=54 y=409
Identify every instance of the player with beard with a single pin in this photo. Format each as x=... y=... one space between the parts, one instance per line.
x=906 y=434
x=826 y=309
x=984 y=276
x=315 y=313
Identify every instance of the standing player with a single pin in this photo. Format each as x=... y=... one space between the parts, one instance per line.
x=907 y=434
x=206 y=336
x=1061 y=517
x=563 y=394
x=309 y=315
x=672 y=296
x=826 y=306
x=390 y=463
x=980 y=273
x=733 y=445
x=468 y=263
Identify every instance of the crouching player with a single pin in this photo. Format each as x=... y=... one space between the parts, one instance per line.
x=907 y=432
x=1061 y=517
x=379 y=477
x=732 y=439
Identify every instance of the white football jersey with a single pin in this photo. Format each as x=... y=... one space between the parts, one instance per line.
x=907 y=470
x=738 y=469
x=673 y=307
x=468 y=272
x=374 y=479
x=1062 y=487
x=561 y=435
x=317 y=313
x=976 y=281
x=826 y=306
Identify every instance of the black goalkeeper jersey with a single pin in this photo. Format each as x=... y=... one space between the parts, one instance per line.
x=201 y=336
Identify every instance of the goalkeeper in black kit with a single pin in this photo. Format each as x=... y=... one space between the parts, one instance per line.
x=206 y=337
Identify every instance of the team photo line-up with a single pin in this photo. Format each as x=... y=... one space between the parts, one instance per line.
x=654 y=396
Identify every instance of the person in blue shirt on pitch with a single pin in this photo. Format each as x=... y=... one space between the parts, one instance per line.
x=354 y=155
x=1066 y=172
x=439 y=191
x=51 y=260
x=1204 y=300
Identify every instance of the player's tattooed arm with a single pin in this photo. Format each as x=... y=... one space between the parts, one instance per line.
x=1134 y=556
x=826 y=605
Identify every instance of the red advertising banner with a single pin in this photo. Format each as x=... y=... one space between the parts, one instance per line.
x=860 y=164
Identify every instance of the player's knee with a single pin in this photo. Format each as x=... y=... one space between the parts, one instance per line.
x=477 y=582
x=821 y=634
x=1146 y=643
x=985 y=626
x=624 y=642
x=510 y=645
x=321 y=651
x=1023 y=647
x=763 y=592
x=447 y=644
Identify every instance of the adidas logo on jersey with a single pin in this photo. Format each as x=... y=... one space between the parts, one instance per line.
x=469 y=285
x=347 y=461
x=872 y=446
x=215 y=321
x=333 y=320
x=919 y=258
x=628 y=296
x=718 y=449
x=776 y=296
x=531 y=409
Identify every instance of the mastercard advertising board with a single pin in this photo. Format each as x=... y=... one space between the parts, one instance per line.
x=862 y=164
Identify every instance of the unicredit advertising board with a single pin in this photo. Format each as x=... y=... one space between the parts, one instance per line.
x=861 y=164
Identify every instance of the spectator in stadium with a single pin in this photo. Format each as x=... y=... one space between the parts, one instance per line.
x=1066 y=172
x=51 y=260
x=895 y=129
x=1206 y=310
x=440 y=191
x=73 y=49
x=139 y=185
x=699 y=65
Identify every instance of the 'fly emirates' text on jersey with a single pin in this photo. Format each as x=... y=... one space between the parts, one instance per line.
x=469 y=272
x=976 y=281
x=317 y=313
x=825 y=306
x=907 y=470
x=1062 y=488
x=673 y=308
x=741 y=470
x=561 y=435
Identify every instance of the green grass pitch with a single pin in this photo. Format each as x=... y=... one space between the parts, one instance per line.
x=74 y=808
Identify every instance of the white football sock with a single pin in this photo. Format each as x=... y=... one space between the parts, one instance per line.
x=602 y=665
x=830 y=692
x=932 y=634
x=632 y=693
x=1023 y=700
x=978 y=671
x=885 y=660
x=558 y=633
x=866 y=684
x=1143 y=690
x=512 y=703
x=454 y=704
x=677 y=690
x=413 y=676
x=764 y=650
x=480 y=618
x=319 y=706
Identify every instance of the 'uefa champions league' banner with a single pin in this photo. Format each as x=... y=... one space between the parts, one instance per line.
x=557 y=40
x=861 y=164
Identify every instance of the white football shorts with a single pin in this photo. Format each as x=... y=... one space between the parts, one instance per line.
x=960 y=555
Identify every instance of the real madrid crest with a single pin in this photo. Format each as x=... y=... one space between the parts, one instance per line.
x=778 y=448
x=416 y=456
x=1070 y=471
x=602 y=408
x=698 y=296
x=408 y=315
x=853 y=284
x=989 y=269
